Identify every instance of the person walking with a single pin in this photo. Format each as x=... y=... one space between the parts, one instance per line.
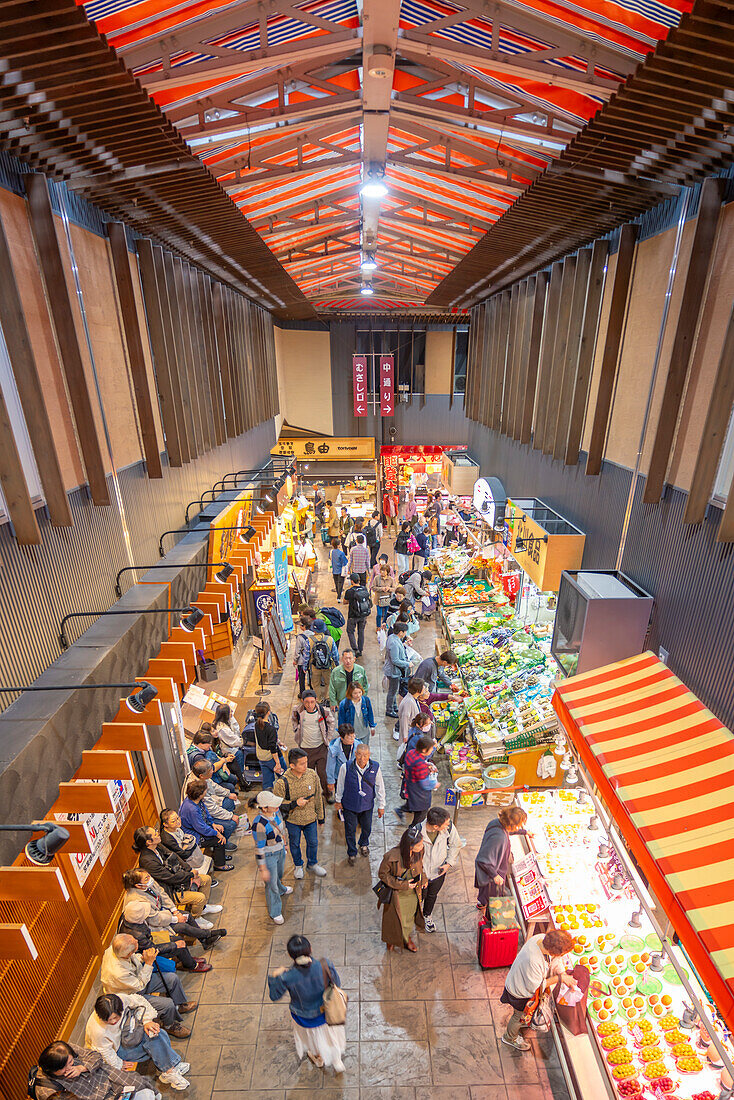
x=332 y=522
x=302 y=652
x=402 y=554
x=383 y=560
x=492 y=863
x=306 y=982
x=358 y=787
x=267 y=746
x=390 y=510
x=532 y=975
x=300 y=787
x=359 y=559
x=411 y=508
x=313 y=728
x=357 y=710
x=126 y=969
x=420 y=779
x=402 y=870
x=341 y=750
x=338 y=561
x=322 y=660
x=396 y=666
x=124 y=1030
x=373 y=537
x=348 y=672
x=358 y=598
x=441 y=847
x=382 y=587
x=268 y=830
x=409 y=708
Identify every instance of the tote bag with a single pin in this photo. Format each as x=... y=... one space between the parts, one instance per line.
x=335 y=999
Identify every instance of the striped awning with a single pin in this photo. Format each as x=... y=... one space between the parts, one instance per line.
x=665 y=767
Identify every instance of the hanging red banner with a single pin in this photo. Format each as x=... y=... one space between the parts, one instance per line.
x=359 y=378
x=387 y=386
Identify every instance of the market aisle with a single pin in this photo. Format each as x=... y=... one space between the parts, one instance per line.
x=420 y=1027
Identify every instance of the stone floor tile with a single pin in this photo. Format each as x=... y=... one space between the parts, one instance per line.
x=401 y=1092
x=228 y=1023
x=235 y=1067
x=200 y=1088
x=387 y=1020
x=276 y=1065
x=235 y=1094
x=250 y=983
x=518 y=1067
x=202 y=1053
x=365 y=950
x=217 y=987
x=330 y=945
x=468 y=981
x=394 y=1063
x=462 y=948
x=446 y=1092
x=465 y=1056
x=495 y=1092
x=420 y=978
x=461 y=1013
x=375 y=982
x=458 y=917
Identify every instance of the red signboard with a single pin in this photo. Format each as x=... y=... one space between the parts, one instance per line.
x=359 y=377
x=387 y=386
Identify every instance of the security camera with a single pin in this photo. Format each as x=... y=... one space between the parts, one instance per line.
x=393 y=431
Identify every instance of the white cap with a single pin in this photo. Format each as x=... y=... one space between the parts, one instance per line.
x=268 y=800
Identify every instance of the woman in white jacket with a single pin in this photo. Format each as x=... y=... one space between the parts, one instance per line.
x=111 y=1030
x=441 y=847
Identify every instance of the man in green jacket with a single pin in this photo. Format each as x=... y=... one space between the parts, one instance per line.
x=347 y=672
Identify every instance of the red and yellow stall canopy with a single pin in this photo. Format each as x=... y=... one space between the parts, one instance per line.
x=665 y=767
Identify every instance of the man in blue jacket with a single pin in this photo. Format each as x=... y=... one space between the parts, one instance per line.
x=341 y=751
x=358 y=787
x=396 y=666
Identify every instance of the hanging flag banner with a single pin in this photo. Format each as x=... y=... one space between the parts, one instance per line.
x=359 y=377
x=387 y=386
x=282 y=594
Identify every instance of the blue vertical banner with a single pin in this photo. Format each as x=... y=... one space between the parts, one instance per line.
x=282 y=594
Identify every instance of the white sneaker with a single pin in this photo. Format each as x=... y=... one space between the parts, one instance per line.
x=173 y=1078
x=212 y=909
x=318 y=870
x=396 y=736
x=204 y=923
x=287 y=890
x=183 y=1068
x=462 y=844
x=298 y=873
x=279 y=920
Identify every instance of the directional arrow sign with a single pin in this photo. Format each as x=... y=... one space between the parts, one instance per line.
x=359 y=379
x=387 y=385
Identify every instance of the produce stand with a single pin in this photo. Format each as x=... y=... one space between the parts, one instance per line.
x=655 y=799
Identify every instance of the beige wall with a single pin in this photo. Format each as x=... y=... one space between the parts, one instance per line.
x=304 y=378
x=439 y=354
x=645 y=310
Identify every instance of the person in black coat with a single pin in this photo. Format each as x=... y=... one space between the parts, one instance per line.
x=492 y=863
x=182 y=884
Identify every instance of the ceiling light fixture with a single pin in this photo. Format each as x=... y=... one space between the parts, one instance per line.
x=367 y=289
x=374 y=187
x=369 y=263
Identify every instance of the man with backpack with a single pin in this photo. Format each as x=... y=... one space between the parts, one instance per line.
x=313 y=729
x=323 y=657
x=360 y=605
x=346 y=673
x=373 y=537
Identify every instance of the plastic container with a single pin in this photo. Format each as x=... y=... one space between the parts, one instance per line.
x=491 y=779
x=468 y=797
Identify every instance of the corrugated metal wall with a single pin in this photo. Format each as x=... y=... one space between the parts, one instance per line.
x=73 y=569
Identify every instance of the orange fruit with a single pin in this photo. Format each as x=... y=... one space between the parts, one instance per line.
x=653 y=999
x=658 y=1010
x=619 y=960
x=666 y=1000
x=640 y=968
x=596 y=1005
x=603 y=1014
x=639 y=1002
x=608 y=1002
x=629 y=980
x=631 y=1013
x=626 y=1002
x=635 y=959
x=613 y=969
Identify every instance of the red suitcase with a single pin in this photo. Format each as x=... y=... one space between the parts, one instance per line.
x=496 y=948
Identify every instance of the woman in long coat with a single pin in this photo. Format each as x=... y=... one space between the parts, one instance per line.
x=402 y=869
x=492 y=863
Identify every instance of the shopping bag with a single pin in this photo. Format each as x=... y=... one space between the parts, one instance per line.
x=335 y=999
x=382 y=638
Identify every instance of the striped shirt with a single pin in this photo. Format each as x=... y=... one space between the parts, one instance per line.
x=268 y=834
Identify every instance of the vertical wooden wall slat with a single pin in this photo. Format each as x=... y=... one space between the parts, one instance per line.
x=501 y=358
x=699 y=264
x=509 y=358
x=522 y=298
x=469 y=408
x=612 y=342
x=169 y=265
x=220 y=333
x=30 y=390
x=714 y=431
x=156 y=333
x=559 y=352
x=14 y=485
x=169 y=329
x=134 y=341
x=587 y=345
x=550 y=324
x=522 y=377
x=571 y=354
x=62 y=316
x=198 y=347
x=480 y=358
x=531 y=378
x=493 y=326
x=184 y=319
x=212 y=364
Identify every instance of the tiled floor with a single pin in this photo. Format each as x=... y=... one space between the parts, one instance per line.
x=420 y=1027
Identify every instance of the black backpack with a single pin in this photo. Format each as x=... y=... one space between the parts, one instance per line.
x=370 y=534
x=402 y=579
x=333 y=614
x=321 y=655
x=361 y=603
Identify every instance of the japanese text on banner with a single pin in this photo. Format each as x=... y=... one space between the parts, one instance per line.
x=387 y=388
x=282 y=592
x=359 y=379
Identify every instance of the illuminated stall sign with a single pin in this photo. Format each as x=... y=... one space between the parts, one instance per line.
x=359 y=384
